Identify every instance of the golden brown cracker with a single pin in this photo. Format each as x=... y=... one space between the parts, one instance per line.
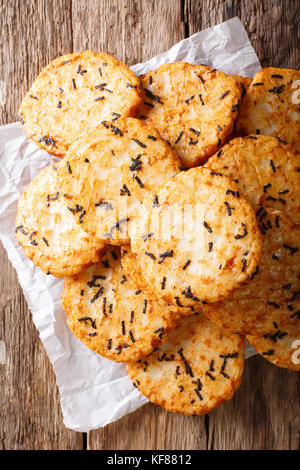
x=272 y=295
x=281 y=346
x=193 y=107
x=110 y=170
x=272 y=106
x=46 y=229
x=73 y=93
x=196 y=369
x=197 y=239
x=267 y=172
x=110 y=316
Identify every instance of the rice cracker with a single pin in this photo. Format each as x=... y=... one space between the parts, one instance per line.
x=110 y=316
x=267 y=172
x=272 y=295
x=73 y=93
x=133 y=270
x=272 y=106
x=46 y=229
x=193 y=107
x=110 y=170
x=197 y=239
x=196 y=369
x=281 y=346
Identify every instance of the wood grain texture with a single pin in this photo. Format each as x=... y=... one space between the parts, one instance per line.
x=272 y=25
x=32 y=34
x=265 y=412
x=151 y=428
x=131 y=30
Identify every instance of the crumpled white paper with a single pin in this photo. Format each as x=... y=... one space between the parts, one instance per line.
x=94 y=391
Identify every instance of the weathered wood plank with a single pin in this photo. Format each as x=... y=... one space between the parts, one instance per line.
x=131 y=30
x=32 y=33
x=272 y=25
x=151 y=428
x=263 y=415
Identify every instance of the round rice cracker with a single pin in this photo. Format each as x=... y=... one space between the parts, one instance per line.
x=110 y=316
x=197 y=240
x=46 y=230
x=133 y=270
x=271 y=106
x=193 y=107
x=267 y=172
x=196 y=369
x=110 y=170
x=272 y=295
x=73 y=93
x=281 y=347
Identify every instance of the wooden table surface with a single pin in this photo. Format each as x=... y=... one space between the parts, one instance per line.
x=265 y=412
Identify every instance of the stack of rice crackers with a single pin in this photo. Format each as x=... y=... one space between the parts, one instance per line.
x=173 y=215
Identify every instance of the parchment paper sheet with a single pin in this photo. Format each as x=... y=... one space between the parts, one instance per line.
x=94 y=391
